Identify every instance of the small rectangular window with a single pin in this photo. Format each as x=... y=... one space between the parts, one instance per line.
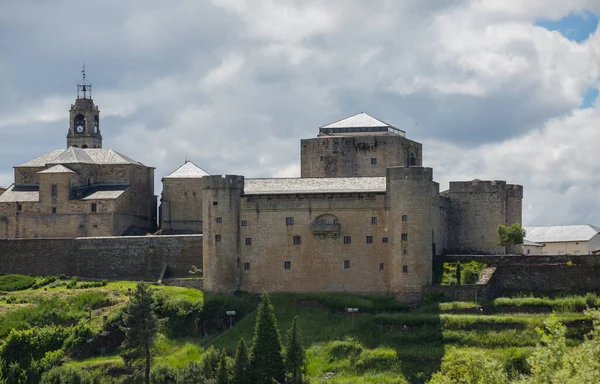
x=95 y=225
x=347 y=240
x=404 y=237
x=54 y=189
x=94 y=207
x=287 y=265
x=381 y=266
x=373 y=160
x=289 y=221
x=244 y=223
x=404 y=218
x=53 y=209
x=248 y=241
x=219 y=220
x=215 y=203
x=369 y=239
x=19 y=207
x=405 y=269
x=385 y=239
x=374 y=220
x=217 y=238
x=322 y=158
x=346 y=264
x=246 y=266
x=405 y=251
x=361 y=198
x=297 y=240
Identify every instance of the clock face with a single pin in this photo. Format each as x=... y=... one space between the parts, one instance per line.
x=79 y=129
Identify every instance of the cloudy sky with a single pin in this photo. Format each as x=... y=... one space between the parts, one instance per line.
x=493 y=89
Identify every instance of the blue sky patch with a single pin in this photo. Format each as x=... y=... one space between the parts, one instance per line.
x=589 y=97
x=574 y=26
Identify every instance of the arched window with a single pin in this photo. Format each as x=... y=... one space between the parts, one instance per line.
x=413 y=159
x=326 y=225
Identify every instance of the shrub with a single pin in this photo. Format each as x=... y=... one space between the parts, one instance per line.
x=164 y=374
x=10 y=283
x=72 y=283
x=43 y=281
x=181 y=314
x=469 y=368
x=341 y=349
x=381 y=359
x=192 y=373
x=210 y=363
x=516 y=363
x=591 y=299
x=66 y=375
x=80 y=341
x=470 y=272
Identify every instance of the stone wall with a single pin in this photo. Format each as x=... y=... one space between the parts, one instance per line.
x=102 y=257
x=181 y=205
x=354 y=156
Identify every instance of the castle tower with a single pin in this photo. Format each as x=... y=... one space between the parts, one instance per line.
x=84 y=118
x=410 y=194
x=221 y=232
x=514 y=210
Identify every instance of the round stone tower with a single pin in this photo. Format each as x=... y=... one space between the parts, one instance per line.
x=221 y=232
x=410 y=195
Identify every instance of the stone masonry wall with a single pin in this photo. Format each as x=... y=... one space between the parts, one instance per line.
x=351 y=156
x=102 y=257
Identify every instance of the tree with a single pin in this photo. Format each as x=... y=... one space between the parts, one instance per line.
x=266 y=363
x=510 y=234
x=140 y=327
x=222 y=374
x=466 y=367
x=295 y=355
x=242 y=360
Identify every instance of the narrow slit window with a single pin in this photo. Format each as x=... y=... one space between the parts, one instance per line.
x=405 y=268
x=94 y=207
x=381 y=266
x=374 y=220
x=54 y=189
x=287 y=264
x=53 y=209
x=346 y=264
x=246 y=266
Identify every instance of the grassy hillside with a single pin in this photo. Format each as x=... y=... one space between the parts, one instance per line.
x=385 y=342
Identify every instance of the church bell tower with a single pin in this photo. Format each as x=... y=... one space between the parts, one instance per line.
x=84 y=118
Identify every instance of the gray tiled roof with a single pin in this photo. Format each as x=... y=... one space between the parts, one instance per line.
x=560 y=233
x=16 y=193
x=314 y=185
x=104 y=195
x=57 y=169
x=74 y=155
x=360 y=120
x=188 y=170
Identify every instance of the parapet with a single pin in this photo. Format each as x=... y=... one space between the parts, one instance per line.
x=223 y=182
x=477 y=186
x=514 y=190
x=395 y=173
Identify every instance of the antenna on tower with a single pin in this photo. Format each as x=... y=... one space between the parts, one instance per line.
x=84 y=86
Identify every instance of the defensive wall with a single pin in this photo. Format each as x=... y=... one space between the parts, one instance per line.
x=126 y=257
x=547 y=274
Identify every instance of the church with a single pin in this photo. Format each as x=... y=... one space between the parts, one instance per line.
x=83 y=190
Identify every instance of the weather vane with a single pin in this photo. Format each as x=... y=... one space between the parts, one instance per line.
x=84 y=87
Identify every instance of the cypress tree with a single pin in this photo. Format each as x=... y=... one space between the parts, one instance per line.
x=266 y=363
x=294 y=356
x=140 y=327
x=242 y=361
x=222 y=375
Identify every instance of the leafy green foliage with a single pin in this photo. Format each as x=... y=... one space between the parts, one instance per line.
x=164 y=374
x=140 y=327
x=469 y=273
x=509 y=235
x=266 y=363
x=242 y=361
x=295 y=355
x=67 y=375
x=10 y=283
x=223 y=374
x=180 y=314
x=460 y=367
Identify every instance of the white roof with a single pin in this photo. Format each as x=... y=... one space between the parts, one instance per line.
x=561 y=233
x=361 y=120
x=188 y=170
x=73 y=155
x=314 y=185
x=104 y=195
x=20 y=194
x=57 y=169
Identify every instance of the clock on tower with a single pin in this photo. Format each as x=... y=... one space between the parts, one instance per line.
x=84 y=126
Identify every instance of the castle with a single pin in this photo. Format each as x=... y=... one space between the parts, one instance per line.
x=365 y=216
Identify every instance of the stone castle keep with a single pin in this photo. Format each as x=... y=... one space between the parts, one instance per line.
x=364 y=217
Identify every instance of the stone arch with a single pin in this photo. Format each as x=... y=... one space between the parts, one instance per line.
x=326 y=225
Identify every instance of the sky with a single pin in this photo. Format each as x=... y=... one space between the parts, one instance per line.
x=501 y=90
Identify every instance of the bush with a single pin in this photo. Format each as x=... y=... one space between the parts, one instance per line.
x=43 y=281
x=342 y=349
x=164 y=374
x=191 y=373
x=10 y=283
x=469 y=368
x=180 y=314
x=72 y=283
x=516 y=363
x=381 y=359
x=66 y=375
x=79 y=343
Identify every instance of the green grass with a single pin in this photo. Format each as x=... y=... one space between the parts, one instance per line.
x=9 y=283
